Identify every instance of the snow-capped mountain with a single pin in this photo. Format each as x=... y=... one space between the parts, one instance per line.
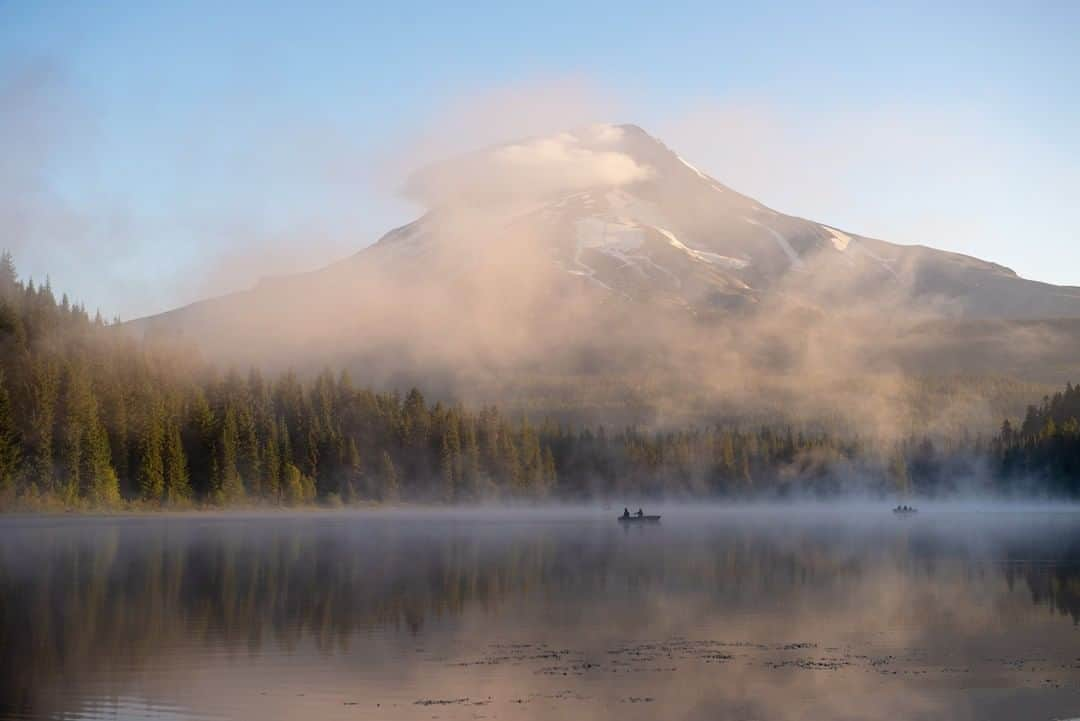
x=590 y=244
x=620 y=211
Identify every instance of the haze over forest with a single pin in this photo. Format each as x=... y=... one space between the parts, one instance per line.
x=519 y=361
x=577 y=315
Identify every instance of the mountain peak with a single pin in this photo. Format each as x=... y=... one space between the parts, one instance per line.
x=593 y=157
x=607 y=217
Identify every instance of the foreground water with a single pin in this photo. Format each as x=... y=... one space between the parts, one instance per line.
x=712 y=614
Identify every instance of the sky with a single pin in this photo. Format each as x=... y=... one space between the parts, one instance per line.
x=154 y=153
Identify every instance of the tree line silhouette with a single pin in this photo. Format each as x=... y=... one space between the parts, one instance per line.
x=91 y=417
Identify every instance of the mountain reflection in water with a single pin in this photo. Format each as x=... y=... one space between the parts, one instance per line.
x=765 y=614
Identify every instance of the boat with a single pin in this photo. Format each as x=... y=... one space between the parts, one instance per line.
x=904 y=511
x=638 y=519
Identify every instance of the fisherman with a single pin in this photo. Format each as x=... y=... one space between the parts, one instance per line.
x=640 y=513
x=625 y=512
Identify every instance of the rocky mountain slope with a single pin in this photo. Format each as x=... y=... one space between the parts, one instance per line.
x=601 y=253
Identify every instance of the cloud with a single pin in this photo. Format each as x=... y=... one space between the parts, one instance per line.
x=535 y=168
x=210 y=207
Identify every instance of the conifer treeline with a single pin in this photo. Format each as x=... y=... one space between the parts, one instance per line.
x=1045 y=446
x=90 y=417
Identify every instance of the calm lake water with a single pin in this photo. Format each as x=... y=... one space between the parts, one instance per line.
x=712 y=614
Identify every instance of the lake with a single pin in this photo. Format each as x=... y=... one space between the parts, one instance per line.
x=755 y=613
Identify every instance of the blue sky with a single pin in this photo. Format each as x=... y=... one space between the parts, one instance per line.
x=159 y=152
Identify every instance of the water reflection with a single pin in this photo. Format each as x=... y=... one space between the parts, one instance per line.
x=721 y=615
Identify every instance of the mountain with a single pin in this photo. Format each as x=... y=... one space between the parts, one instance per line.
x=601 y=253
x=671 y=232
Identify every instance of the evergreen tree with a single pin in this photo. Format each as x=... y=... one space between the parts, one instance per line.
x=354 y=472
x=200 y=444
x=44 y=394
x=292 y=482
x=151 y=473
x=272 y=461
x=9 y=279
x=550 y=476
x=10 y=450
x=229 y=488
x=388 y=478
x=471 y=470
x=118 y=432
x=102 y=488
x=450 y=461
x=249 y=462
x=74 y=431
x=177 y=479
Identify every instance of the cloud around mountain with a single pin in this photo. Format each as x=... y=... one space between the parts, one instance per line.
x=531 y=169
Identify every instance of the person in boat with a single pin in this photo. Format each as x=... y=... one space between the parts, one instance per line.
x=626 y=513
x=640 y=513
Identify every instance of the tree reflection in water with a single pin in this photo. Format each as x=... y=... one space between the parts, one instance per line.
x=94 y=603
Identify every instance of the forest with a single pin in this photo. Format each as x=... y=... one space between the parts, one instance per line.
x=93 y=418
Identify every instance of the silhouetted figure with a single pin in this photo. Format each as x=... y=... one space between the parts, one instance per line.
x=640 y=513
x=626 y=513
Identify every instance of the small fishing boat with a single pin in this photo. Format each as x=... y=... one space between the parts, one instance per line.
x=638 y=519
x=904 y=510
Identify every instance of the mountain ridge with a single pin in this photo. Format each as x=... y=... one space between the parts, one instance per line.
x=609 y=219
x=602 y=254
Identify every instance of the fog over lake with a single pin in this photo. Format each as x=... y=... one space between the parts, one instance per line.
x=714 y=613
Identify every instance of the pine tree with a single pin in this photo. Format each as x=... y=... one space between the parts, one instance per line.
x=531 y=478
x=229 y=487
x=450 y=460
x=74 y=431
x=272 y=461
x=118 y=434
x=177 y=478
x=44 y=395
x=727 y=456
x=10 y=451
x=102 y=488
x=13 y=338
x=471 y=473
x=200 y=443
x=509 y=461
x=388 y=478
x=151 y=472
x=9 y=279
x=746 y=480
x=292 y=485
x=248 y=461
x=550 y=476
x=285 y=441
x=354 y=472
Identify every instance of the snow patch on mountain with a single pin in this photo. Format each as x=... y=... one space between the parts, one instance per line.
x=692 y=167
x=625 y=205
x=602 y=233
x=705 y=256
x=785 y=246
x=840 y=240
x=712 y=183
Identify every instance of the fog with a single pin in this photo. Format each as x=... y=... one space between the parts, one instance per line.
x=839 y=612
x=486 y=298
x=483 y=300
